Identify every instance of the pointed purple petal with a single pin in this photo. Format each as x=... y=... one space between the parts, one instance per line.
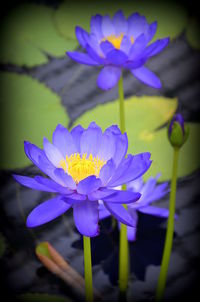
x=131 y=168
x=95 y=26
x=82 y=58
x=38 y=157
x=120 y=23
x=125 y=45
x=146 y=76
x=32 y=183
x=120 y=213
x=47 y=211
x=63 y=141
x=86 y=217
x=108 y=77
x=106 y=172
x=49 y=183
x=122 y=197
x=82 y=36
x=88 y=185
x=107 y=147
x=52 y=153
x=160 y=212
x=76 y=133
x=91 y=140
x=159 y=45
x=64 y=179
x=107 y=26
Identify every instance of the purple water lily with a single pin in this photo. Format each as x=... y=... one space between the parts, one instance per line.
x=118 y=43
x=150 y=192
x=83 y=166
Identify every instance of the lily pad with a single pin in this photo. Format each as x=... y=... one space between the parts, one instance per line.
x=172 y=18
x=41 y=298
x=193 y=33
x=144 y=115
x=29 y=111
x=28 y=34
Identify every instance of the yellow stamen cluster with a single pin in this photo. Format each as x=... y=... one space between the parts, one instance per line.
x=116 y=40
x=80 y=167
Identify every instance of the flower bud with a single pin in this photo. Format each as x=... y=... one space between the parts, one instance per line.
x=177 y=131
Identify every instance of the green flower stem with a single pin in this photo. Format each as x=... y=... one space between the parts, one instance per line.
x=170 y=231
x=123 y=242
x=121 y=105
x=88 y=269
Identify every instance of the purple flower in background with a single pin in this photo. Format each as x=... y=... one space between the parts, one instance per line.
x=118 y=43
x=150 y=192
x=83 y=166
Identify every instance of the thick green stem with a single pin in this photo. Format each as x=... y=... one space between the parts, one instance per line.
x=170 y=231
x=88 y=269
x=123 y=242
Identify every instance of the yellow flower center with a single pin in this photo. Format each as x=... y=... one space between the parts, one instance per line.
x=116 y=40
x=80 y=167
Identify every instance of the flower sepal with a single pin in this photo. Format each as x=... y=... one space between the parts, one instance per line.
x=178 y=131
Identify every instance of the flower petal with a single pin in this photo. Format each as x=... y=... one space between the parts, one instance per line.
x=49 y=183
x=121 y=148
x=86 y=217
x=120 y=23
x=116 y=57
x=106 y=172
x=82 y=36
x=108 y=77
x=91 y=140
x=137 y=47
x=95 y=26
x=131 y=233
x=88 y=185
x=146 y=76
x=107 y=26
x=131 y=168
x=63 y=141
x=47 y=211
x=32 y=183
x=76 y=133
x=151 y=31
x=125 y=45
x=64 y=179
x=160 y=212
x=95 y=54
x=137 y=25
x=122 y=197
x=159 y=45
x=120 y=213
x=103 y=212
x=52 y=153
x=38 y=157
x=106 y=47
x=82 y=58
x=107 y=147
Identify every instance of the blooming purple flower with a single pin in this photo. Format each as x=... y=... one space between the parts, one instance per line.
x=150 y=192
x=83 y=166
x=117 y=44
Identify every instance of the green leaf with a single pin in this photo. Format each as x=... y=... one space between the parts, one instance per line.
x=171 y=17
x=29 y=111
x=143 y=116
x=41 y=298
x=193 y=33
x=28 y=32
x=2 y=245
